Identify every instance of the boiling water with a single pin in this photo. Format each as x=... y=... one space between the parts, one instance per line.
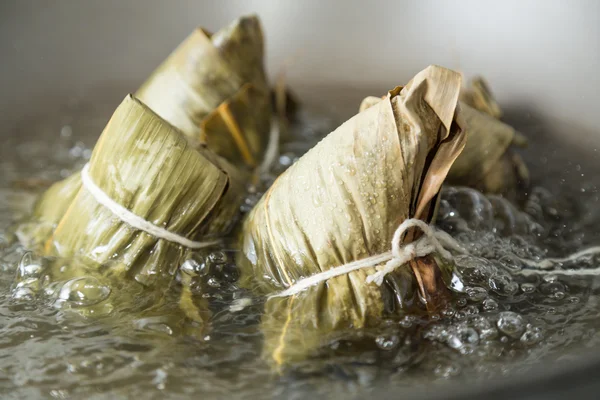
x=500 y=320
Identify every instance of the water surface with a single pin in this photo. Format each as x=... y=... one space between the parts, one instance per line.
x=500 y=321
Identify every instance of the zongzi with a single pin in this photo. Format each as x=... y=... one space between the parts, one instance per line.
x=480 y=97
x=487 y=162
x=214 y=88
x=342 y=202
x=146 y=196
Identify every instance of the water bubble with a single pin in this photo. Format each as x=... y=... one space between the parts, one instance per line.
x=490 y=305
x=511 y=324
x=407 y=321
x=29 y=267
x=83 y=291
x=527 y=288
x=503 y=284
x=470 y=310
x=212 y=282
x=387 y=342
x=460 y=315
x=485 y=328
x=476 y=293
x=218 y=257
x=456 y=282
x=557 y=295
x=471 y=206
x=552 y=288
x=474 y=271
x=463 y=338
x=532 y=336
x=448 y=312
x=510 y=261
x=189 y=267
x=550 y=278
x=23 y=293
x=196 y=264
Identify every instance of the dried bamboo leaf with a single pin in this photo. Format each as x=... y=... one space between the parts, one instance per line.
x=241 y=45
x=225 y=123
x=343 y=200
x=487 y=162
x=488 y=139
x=147 y=166
x=368 y=102
x=294 y=328
x=207 y=80
x=208 y=74
x=479 y=96
x=48 y=210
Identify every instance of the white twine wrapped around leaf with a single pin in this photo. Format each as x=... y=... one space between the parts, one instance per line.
x=135 y=220
x=432 y=241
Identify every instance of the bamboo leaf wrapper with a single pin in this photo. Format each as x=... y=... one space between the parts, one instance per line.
x=488 y=162
x=147 y=166
x=341 y=202
x=213 y=89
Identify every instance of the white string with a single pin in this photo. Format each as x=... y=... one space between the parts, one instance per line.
x=565 y=272
x=547 y=266
x=272 y=150
x=433 y=240
x=549 y=263
x=134 y=220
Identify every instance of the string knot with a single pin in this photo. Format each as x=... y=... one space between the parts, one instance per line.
x=433 y=240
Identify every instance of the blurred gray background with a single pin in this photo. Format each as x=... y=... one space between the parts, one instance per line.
x=541 y=55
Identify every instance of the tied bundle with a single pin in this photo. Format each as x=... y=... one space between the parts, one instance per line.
x=342 y=202
x=147 y=199
x=213 y=89
x=488 y=162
